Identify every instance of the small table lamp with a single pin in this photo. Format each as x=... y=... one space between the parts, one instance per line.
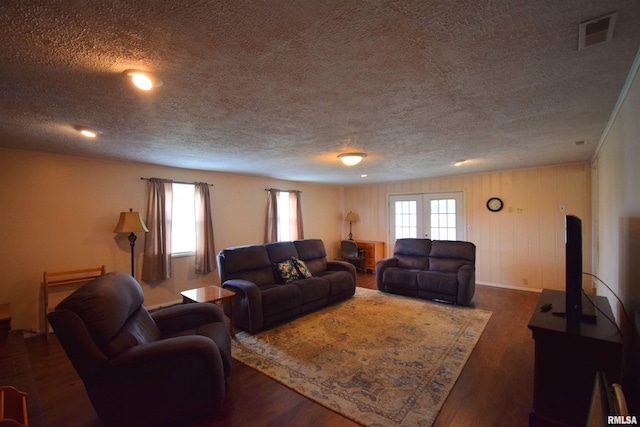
x=351 y=217
x=131 y=222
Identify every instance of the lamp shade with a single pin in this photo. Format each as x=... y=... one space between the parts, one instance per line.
x=351 y=217
x=130 y=222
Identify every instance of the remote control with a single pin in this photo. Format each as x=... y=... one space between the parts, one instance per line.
x=545 y=307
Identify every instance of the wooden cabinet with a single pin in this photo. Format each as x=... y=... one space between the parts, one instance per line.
x=567 y=358
x=373 y=252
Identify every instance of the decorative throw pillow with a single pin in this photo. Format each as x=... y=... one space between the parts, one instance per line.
x=287 y=270
x=302 y=267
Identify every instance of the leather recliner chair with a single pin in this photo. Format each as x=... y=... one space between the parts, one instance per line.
x=139 y=368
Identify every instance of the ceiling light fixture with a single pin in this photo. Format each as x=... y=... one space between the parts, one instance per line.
x=458 y=162
x=351 y=159
x=89 y=133
x=143 y=80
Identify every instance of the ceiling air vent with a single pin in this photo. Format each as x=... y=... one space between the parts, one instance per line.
x=596 y=31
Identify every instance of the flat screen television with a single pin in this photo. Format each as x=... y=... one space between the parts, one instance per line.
x=575 y=312
x=573 y=252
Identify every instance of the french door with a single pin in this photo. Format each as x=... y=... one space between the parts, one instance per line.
x=436 y=216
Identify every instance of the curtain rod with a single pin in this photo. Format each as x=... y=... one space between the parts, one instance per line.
x=177 y=182
x=288 y=191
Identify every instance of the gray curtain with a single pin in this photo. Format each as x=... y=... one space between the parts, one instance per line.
x=295 y=215
x=157 y=244
x=205 y=252
x=271 y=234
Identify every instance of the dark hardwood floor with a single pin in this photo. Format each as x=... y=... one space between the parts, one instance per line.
x=494 y=389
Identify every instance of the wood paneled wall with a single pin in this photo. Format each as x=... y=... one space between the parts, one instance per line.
x=521 y=246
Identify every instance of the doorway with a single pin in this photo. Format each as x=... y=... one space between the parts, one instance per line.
x=436 y=216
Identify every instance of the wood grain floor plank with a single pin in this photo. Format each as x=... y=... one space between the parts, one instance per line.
x=494 y=389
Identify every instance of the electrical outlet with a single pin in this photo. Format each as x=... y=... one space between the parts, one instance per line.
x=525 y=281
x=519 y=210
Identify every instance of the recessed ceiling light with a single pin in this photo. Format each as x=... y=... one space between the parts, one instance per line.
x=458 y=162
x=351 y=159
x=89 y=133
x=364 y=175
x=143 y=80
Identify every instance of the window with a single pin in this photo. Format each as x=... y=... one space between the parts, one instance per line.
x=183 y=220
x=283 y=217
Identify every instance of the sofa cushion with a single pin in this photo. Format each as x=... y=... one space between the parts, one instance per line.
x=412 y=253
x=439 y=283
x=449 y=256
x=139 y=329
x=280 y=251
x=313 y=253
x=280 y=298
x=402 y=278
x=249 y=262
x=340 y=282
x=313 y=289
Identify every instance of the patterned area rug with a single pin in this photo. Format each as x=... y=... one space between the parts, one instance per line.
x=378 y=359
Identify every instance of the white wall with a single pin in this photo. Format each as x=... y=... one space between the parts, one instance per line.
x=521 y=246
x=58 y=213
x=618 y=201
x=617 y=213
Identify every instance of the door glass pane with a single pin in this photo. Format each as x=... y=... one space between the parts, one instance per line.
x=406 y=219
x=443 y=219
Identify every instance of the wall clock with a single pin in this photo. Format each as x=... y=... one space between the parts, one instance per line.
x=494 y=204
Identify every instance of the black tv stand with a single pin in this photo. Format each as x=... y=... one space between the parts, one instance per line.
x=567 y=357
x=591 y=318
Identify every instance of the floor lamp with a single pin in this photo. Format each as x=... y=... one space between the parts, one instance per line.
x=351 y=217
x=131 y=222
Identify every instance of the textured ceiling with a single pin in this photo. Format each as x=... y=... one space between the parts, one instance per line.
x=280 y=88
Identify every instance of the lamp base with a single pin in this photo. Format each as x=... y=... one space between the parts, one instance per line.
x=132 y=241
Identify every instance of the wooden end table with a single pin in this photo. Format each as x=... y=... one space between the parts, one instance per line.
x=212 y=294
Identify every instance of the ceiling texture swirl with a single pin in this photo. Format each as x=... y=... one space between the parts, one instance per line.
x=281 y=88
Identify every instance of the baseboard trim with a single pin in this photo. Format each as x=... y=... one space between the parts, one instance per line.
x=514 y=288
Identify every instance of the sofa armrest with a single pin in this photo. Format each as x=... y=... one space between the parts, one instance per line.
x=466 y=284
x=381 y=266
x=343 y=266
x=248 y=314
x=178 y=318
x=154 y=382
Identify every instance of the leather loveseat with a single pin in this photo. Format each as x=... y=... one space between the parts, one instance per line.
x=430 y=269
x=264 y=298
x=141 y=368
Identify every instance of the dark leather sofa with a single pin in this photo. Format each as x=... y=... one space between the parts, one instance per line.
x=430 y=269
x=142 y=369
x=263 y=299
